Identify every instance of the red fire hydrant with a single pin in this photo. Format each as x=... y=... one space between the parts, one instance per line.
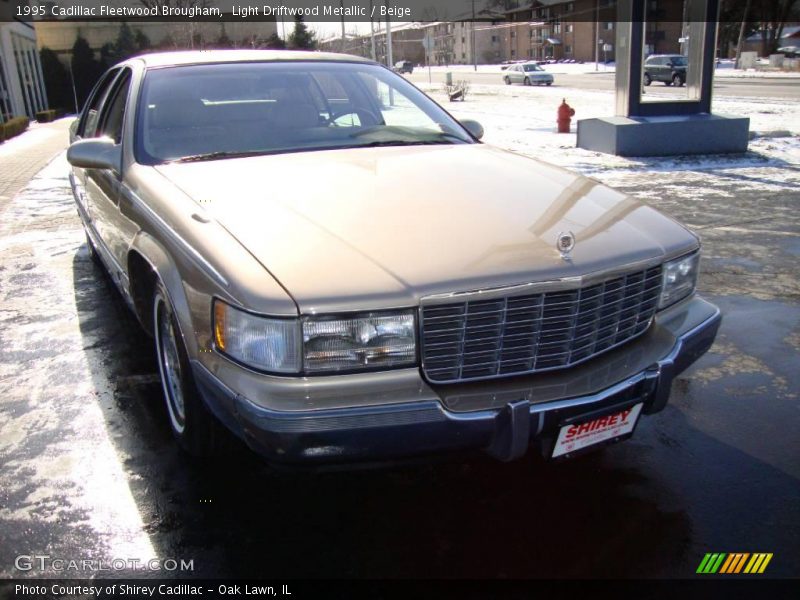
x=565 y=114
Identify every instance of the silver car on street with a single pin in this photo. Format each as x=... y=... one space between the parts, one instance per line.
x=529 y=73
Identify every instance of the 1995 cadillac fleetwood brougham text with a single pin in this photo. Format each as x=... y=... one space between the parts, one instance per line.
x=335 y=269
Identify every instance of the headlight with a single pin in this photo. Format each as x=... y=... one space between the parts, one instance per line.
x=678 y=279
x=372 y=340
x=263 y=343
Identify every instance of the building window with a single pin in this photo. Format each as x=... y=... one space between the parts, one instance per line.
x=513 y=53
x=463 y=40
x=567 y=49
x=570 y=7
x=556 y=28
x=513 y=33
x=569 y=28
x=494 y=39
x=609 y=25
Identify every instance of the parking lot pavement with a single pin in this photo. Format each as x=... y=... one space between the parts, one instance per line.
x=24 y=156
x=89 y=469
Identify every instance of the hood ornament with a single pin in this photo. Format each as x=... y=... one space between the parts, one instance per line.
x=565 y=242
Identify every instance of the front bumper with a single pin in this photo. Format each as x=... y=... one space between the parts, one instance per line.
x=407 y=429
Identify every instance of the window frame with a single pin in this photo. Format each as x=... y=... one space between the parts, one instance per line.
x=99 y=92
x=123 y=79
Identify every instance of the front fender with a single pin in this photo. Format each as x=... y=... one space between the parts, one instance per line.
x=163 y=268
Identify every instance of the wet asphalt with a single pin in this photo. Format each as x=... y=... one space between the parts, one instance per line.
x=88 y=468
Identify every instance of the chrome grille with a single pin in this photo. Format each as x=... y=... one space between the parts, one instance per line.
x=483 y=339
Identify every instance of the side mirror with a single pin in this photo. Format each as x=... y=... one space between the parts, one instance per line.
x=96 y=153
x=475 y=128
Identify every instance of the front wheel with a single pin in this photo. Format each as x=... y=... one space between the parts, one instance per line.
x=549 y=83
x=677 y=81
x=647 y=79
x=507 y=80
x=195 y=429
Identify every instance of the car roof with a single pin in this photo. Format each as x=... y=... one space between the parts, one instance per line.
x=169 y=59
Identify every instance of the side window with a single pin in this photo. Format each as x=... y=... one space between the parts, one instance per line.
x=397 y=110
x=89 y=117
x=113 y=113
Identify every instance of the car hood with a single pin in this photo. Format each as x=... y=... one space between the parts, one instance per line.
x=381 y=227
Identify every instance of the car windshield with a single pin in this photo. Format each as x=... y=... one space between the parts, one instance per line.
x=678 y=61
x=533 y=68
x=205 y=112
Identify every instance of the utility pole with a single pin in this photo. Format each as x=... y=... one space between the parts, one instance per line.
x=372 y=32
x=341 y=4
x=596 y=35
x=472 y=43
x=389 y=59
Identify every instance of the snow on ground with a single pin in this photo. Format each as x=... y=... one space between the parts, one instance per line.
x=523 y=119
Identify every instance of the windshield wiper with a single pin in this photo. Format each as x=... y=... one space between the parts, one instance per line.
x=378 y=143
x=216 y=155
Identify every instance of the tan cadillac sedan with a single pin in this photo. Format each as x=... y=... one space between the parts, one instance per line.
x=337 y=270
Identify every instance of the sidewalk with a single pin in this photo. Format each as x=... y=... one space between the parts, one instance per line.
x=25 y=155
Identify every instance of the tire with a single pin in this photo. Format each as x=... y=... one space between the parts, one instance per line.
x=677 y=81
x=526 y=81
x=647 y=79
x=668 y=82
x=194 y=428
x=507 y=80
x=549 y=83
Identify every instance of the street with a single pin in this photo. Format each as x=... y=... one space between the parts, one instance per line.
x=89 y=468
x=742 y=87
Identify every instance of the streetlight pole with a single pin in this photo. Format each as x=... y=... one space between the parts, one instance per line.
x=596 y=35
x=372 y=32
x=341 y=4
x=389 y=59
x=472 y=32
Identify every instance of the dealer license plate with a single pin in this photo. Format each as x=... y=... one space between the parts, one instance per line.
x=578 y=436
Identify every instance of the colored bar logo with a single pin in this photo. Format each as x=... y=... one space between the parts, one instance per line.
x=734 y=563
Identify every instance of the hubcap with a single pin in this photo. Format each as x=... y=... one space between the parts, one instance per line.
x=171 y=370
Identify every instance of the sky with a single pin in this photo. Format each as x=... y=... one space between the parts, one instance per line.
x=326 y=29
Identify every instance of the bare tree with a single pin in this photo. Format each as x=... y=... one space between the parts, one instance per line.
x=774 y=15
x=184 y=34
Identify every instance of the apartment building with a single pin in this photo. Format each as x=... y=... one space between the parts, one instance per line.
x=579 y=30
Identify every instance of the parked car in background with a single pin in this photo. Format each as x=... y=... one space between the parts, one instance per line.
x=667 y=68
x=404 y=66
x=528 y=73
x=256 y=212
x=790 y=51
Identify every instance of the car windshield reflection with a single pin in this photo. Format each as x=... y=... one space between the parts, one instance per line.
x=202 y=112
